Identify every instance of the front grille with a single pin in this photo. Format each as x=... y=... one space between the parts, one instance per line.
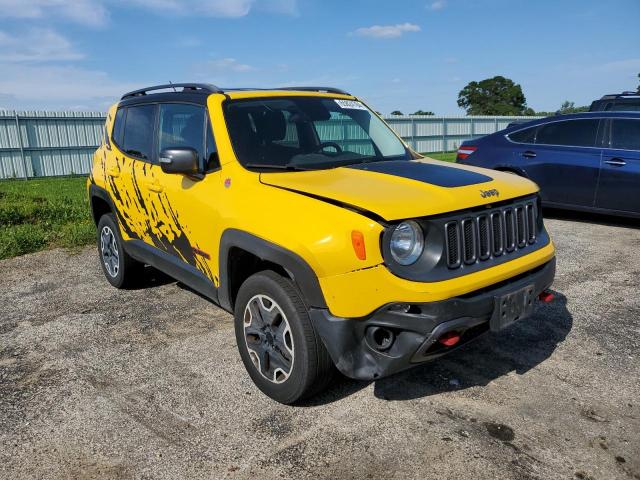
x=453 y=245
x=469 y=243
x=486 y=235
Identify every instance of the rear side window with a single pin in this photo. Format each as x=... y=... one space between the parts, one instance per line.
x=578 y=133
x=528 y=135
x=118 y=126
x=625 y=134
x=138 y=131
x=627 y=106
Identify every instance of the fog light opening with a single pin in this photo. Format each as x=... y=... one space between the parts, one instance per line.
x=380 y=338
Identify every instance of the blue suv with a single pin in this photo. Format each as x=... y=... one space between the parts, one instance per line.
x=585 y=161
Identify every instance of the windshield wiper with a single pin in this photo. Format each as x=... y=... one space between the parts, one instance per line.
x=291 y=168
x=376 y=159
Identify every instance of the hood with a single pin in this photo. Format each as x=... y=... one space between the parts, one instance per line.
x=395 y=190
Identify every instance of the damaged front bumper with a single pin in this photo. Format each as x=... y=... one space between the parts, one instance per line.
x=398 y=336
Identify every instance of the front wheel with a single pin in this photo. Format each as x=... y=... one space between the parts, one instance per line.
x=279 y=347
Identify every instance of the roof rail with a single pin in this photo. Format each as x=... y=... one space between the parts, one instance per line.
x=619 y=95
x=316 y=89
x=186 y=87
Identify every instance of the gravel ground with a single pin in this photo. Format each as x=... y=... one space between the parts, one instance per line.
x=101 y=383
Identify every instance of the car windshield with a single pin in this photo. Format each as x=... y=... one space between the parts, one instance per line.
x=308 y=133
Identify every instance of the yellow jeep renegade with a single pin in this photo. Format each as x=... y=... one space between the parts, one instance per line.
x=304 y=214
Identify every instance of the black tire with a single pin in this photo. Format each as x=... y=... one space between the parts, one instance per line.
x=311 y=367
x=128 y=270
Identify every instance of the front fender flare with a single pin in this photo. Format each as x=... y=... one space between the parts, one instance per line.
x=302 y=274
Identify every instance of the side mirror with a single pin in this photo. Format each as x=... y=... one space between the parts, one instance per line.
x=183 y=160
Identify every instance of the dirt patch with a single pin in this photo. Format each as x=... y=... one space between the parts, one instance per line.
x=100 y=383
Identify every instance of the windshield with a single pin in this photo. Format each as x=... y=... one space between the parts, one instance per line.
x=308 y=133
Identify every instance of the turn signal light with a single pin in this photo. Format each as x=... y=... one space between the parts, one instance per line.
x=357 y=240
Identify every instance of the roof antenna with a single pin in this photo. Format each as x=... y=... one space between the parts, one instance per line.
x=174 y=88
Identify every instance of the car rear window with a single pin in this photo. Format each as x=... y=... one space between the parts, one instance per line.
x=578 y=133
x=624 y=106
x=625 y=134
x=528 y=135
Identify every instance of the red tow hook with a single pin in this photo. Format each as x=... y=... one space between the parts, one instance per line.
x=546 y=296
x=449 y=339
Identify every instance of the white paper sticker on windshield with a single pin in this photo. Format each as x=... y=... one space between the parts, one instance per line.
x=350 y=104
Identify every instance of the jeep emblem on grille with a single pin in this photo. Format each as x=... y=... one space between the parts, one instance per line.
x=489 y=193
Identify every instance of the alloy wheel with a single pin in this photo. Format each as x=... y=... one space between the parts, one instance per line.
x=268 y=338
x=109 y=251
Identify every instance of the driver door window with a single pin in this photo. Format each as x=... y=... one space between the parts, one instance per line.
x=182 y=125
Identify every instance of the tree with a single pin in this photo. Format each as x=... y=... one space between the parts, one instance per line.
x=397 y=112
x=493 y=96
x=639 y=83
x=570 y=107
x=422 y=112
x=566 y=107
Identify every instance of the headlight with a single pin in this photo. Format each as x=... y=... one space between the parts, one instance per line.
x=407 y=243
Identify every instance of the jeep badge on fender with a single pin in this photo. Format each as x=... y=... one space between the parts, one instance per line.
x=355 y=254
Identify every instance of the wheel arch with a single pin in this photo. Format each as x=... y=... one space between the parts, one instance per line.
x=243 y=254
x=100 y=202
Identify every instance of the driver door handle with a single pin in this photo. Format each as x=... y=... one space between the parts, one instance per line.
x=113 y=171
x=616 y=162
x=529 y=154
x=155 y=187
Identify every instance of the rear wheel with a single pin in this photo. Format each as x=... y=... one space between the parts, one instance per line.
x=281 y=351
x=120 y=269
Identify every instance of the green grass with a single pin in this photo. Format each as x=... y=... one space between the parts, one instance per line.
x=54 y=212
x=446 y=156
x=43 y=213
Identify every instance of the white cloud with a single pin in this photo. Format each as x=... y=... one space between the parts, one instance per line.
x=94 y=13
x=213 y=8
x=630 y=64
x=58 y=87
x=225 y=65
x=36 y=45
x=437 y=5
x=386 y=31
x=87 y=12
x=218 y=8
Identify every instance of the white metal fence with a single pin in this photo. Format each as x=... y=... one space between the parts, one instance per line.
x=444 y=134
x=46 y=144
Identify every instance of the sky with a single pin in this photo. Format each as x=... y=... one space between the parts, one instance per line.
x=402 y=55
